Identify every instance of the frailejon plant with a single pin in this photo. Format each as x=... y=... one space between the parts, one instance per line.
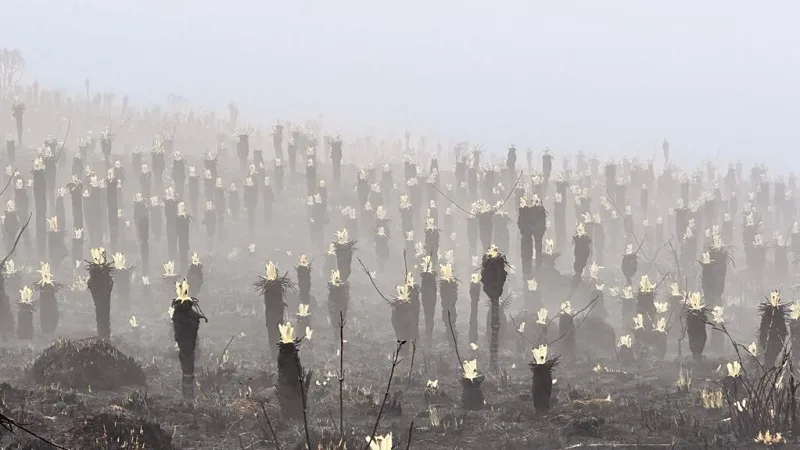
x=272 y=286
x=293 y=382
x=772 y=331
x=493 y=277
x=40 y=205
x=338 y=297
x=696 y=320
x=48 y=304
x=448 y=291
x=195 y=274
x=344 y=248
x=402 y=320
x=428 y=297
x=25 y=314
x=475 y=287
x=629 y=263
x=100 y=284
x=582 y=250
x=55 y=242
x=542 y=387
x=182 y=223
x=303 y=269
x=471 y=392
x=645 y=299
x=186 y=317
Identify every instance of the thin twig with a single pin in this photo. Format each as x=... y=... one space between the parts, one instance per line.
x=410 y=432
x=221 y=355
x=455 y=341
x=373 y=281
x=16 y=241
x=9 y=424
x=271 y=430
x=10 y=179
x=395 y=362
x=411 y=368
x=301 y=377
x=341 y=372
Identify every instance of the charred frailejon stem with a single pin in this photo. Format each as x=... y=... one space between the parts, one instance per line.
x=475 y=287
x=182 y=230
x=171 y=219
x=772 y=331
x=242 y=148
x=186 y=323
x=250 y=200
x=645 y=299
x=532 y=224
x=471 y=393
x=542 y=386
x=23 y=205
x=344 y=248
x=428 y=297
x=10 y=224
x=141 y=220
x=448 y=289
x=493 y=276
x=100 y=284
x=484 y=213
x=195 y=274
x=194 y=189
x=76 y=201
x=269 y=200
x=7 y=323
x=566 y=328
x=406 y=216
x=210 y=221
x=714 y=262
x=146 y=180
x=432 y=241
x=18 y=111
x=55 y=243
x=112 y=200
x=11 y=150
x=303 y=269
x=338 y=296
x=234 y=201
x=696 y=320
x=179 y=175
x=277 y=140
x=159 y=164
x=40 y=205
x=402 y=309
x=630 y=264
x=25 y=314
x=582 y=250
x=293 y=381
x=48 y=305
x=272 y=286
x=336 y=159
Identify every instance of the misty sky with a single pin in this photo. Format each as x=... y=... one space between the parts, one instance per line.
x=602 y=76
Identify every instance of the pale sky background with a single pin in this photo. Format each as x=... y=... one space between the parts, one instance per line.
x=605 y=76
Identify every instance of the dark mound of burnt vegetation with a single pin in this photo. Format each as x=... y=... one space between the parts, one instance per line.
x=87 y=363
x=111 y=430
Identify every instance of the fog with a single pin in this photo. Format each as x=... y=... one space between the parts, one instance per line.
x=606 y=77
